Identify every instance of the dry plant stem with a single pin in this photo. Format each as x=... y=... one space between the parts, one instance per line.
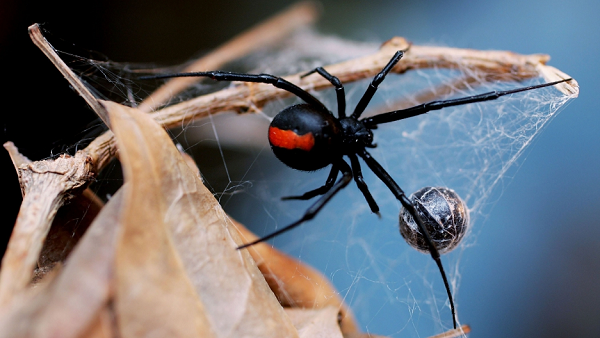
x=267 y=33
x=16 y=157
x=45 y=185
x=251 y=96
x=296 y=284
x=104 y=148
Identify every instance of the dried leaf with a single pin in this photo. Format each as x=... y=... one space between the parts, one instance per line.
x=153 y=297
x=164 y=191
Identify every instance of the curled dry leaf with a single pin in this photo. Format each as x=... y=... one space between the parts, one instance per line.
x=46 y=185
x=176 y=260
x=154 y=296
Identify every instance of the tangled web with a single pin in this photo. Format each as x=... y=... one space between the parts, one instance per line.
x=392 y=289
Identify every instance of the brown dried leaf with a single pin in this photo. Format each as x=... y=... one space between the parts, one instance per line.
x=164 y=191
x=153 y=297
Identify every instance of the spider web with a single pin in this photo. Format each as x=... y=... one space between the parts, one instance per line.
x=473 y=149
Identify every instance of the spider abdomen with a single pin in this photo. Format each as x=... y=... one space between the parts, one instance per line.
x=305 y=138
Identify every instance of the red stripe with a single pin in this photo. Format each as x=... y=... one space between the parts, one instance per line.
x=290 y=140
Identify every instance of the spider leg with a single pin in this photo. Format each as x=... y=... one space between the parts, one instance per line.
x=436 y=105
x=339 y=89
x=406 y=203
x=368 y=95
x=316 y=207
x=258 y=78
x=319 y=191
x=360 y=183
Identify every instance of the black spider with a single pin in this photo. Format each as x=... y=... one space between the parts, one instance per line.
x=309 y=137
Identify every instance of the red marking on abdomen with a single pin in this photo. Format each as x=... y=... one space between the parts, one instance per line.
x=290 y=140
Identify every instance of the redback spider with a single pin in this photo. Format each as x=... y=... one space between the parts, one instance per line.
x=309 y=137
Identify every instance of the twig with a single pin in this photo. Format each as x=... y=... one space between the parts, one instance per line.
x=243 y=98
x=45 y=185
